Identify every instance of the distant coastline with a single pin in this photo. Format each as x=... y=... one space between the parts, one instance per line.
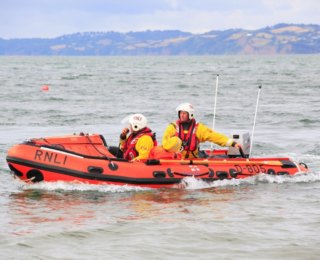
x=278 y=39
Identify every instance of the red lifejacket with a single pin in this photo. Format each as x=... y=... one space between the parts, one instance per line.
x=190 y=141
x=129 y=150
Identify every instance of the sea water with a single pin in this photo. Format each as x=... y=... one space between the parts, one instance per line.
x=262 y=217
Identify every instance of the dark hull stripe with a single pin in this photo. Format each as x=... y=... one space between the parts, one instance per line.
x=94 y=176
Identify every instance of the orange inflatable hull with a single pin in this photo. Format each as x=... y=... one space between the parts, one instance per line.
x=86 y=159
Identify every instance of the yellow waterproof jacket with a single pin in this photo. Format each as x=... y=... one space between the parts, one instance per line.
x=143 y=146
x=203 y=134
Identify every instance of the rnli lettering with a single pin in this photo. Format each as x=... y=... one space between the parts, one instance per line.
x=46 y=156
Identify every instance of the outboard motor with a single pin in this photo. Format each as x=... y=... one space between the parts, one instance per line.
x=244 y=140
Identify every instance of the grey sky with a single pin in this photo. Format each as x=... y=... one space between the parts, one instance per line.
x=51 y=18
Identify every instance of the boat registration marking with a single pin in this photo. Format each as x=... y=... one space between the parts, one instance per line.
x=253 y=168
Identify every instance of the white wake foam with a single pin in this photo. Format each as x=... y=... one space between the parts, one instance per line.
x=187 y=183
x=193 y=183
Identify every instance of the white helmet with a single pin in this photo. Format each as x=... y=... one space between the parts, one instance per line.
x=187 y=107
x=137 y=122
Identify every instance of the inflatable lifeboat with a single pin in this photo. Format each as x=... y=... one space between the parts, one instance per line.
x=86 y=158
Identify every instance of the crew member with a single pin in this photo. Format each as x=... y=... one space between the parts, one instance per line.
x=137 y=140
x=193 y=133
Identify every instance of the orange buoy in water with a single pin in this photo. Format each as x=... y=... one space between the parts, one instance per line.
x=45 y=88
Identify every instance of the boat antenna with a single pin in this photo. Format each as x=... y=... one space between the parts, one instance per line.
x=254 y=120
x=215 y=106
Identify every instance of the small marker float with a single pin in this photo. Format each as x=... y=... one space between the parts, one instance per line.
x=45 y=88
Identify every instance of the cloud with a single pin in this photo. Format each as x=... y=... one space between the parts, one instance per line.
x=47 y=18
